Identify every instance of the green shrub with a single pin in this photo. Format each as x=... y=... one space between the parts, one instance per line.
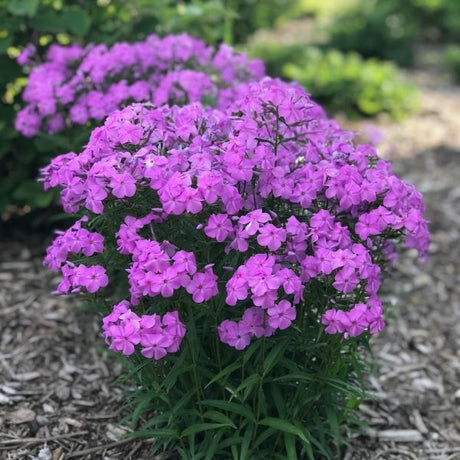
x=341 y=82
x=251 y=15
x=376 y=28
x=452 y=60
x=276 y=55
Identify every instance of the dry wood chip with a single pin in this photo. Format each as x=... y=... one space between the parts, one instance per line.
x=418 y=422
x=72 y=422
x=58 y=454
x=21 y=415
x=84 y=403
x=26 y=376
x=400 y=435
x=4 y=399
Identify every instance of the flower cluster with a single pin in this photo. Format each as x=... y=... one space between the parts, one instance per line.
x=157 y=335
x=248 y=206
x=76 y=85
x=161 y=269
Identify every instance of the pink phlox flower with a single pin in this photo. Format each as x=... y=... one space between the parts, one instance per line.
x=166 y=282
x=95 y=194
x=173 y=325
x=123 y=185
x=93 y=244
x=203 y=286
x=252 y=220
x=92 y=278
x=291 y=282
x=149 y=324
x=374 y=315
x=155 y=345
x=117 y=310
x=325 y=258
x=296 y=228
x=346 y=280
x=332 y=319
x=237 y=289
x=233 y=334
x=322 y=220
x=124 y=337
x=232 y=199
x=281 y=315
x=271 y=237
x=219 y=227
x=192 y=199
x=252 y=322
x=185 y=262
x=240 y=242
x=310 y=268
x=350 y=196
x=210 y=185
x=355 y=321
x=266 y=300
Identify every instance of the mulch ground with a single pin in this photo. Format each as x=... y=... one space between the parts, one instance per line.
x=59 y=398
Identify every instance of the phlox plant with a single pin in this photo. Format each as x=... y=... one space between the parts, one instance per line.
x=77 y=85
x=237 y=254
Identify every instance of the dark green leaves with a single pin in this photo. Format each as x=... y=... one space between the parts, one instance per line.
x=23 y=7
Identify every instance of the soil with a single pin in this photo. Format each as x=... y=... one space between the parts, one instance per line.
x=59 y=395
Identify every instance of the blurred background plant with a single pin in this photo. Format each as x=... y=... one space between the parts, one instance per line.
x=452 y=60
x=342 y=82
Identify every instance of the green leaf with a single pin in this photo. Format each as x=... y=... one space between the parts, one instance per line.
x=233 y=407
x=263 y=437
x=199 y=427
x=219 y=417
x=294 y=377
x=275 y=355
x=289 y=443
x=334 y=424
x=48 y=21
x=247 y=438
x=278 y=399
x=224 y=373
x=76 y=20
x=285 y=426
x=161 y=418
x=248 y=385
x=163 y=433
x=45 y=142
x=23 y=7
x=183 y=401
x=5 y=43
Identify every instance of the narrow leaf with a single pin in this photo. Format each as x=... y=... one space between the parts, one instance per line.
x=230 y=406
x=275 y=355
x=285 y=426
x=199 y=427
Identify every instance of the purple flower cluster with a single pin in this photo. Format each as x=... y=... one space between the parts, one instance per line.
x=269 y=182
x=76 y=85
x=157 y=335
x=161 y=269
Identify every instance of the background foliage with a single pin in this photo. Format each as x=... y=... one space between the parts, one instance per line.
x=342 y=82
